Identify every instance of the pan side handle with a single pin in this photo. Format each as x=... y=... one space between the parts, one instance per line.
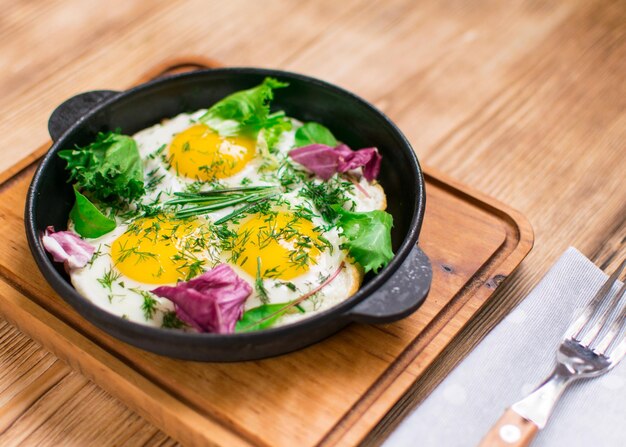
x=73 y=109
x=401 y=295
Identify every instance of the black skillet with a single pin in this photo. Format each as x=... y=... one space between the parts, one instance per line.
x=395 y=292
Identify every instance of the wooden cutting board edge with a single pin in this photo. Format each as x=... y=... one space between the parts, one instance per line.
x=114 y=375
x=370 y=409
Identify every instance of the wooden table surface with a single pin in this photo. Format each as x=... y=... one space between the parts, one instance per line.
x=524 y=100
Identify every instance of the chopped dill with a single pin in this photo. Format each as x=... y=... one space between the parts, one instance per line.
x=95 y=256
x=271 y=273
x=325 y=195
x=291 y=286
x=258 y=283
x=194 y=187
x=141 y=256
x=153 y=179
x=149 y=305
x=158 y=152
x=171 y=321
x=109 y=277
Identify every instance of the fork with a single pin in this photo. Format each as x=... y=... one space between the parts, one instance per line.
x=582 y=354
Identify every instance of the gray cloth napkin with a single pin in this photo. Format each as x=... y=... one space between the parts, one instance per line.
x=511 y=361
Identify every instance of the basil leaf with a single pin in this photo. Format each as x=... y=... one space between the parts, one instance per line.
x=249 y=320
x=368 y=237
x=246 y=111
x=312 y=133
x=109 y=168
x=88 y=220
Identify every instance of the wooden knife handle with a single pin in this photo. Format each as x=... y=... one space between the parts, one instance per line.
x=511 y=430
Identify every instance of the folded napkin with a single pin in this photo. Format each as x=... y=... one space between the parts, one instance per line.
x=511 y=361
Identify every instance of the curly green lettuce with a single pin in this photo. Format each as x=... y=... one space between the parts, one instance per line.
x=368 y=237
x=109 y=170
x=246 y=111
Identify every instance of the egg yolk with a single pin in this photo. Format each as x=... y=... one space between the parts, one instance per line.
x=158 y=250
x=200 y=153
x=278 y=246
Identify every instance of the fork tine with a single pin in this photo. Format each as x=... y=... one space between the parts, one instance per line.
x=592 y=333
x=619 y=351
x=577 y=327
x=616 y=328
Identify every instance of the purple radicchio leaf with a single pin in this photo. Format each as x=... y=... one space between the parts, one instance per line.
x=368 y=158
x=325 y=161
x=320 y=159
x=211 y=302
x=67 y=247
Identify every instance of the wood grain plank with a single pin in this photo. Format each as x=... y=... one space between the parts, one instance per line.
x=191 y=428
x=115 y=53
x=20 y=401
x=24 y=383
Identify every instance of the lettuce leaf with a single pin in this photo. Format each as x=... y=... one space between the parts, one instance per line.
x=251 y=318
x=109 y=169
x=314 y=133
x=276 y=124
x=88 y=220
x=243 y=112
x=368 y=237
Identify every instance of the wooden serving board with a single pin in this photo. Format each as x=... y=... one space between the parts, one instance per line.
x=332 y=393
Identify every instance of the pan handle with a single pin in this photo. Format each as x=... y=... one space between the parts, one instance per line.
x=401 y=295
x=74 y=108
x=65 y=115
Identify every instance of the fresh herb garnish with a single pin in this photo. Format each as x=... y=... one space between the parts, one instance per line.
x=291 y=286
x=261 y=317
x=312 y=133
x=266 y=315
x=326 y=196
x=153 y=179
x=158 y=152
x=109 y=169
x=205 y=202
x=149 y=305
x=368 y=237
x=127 y=252
x=244 y=112
x=109 y=277
x=253 y=207
x=171 y=321
x=258 y=283
x=276 y=124
x=88 y=219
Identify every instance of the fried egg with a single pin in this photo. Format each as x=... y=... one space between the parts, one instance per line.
x=284 y=252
